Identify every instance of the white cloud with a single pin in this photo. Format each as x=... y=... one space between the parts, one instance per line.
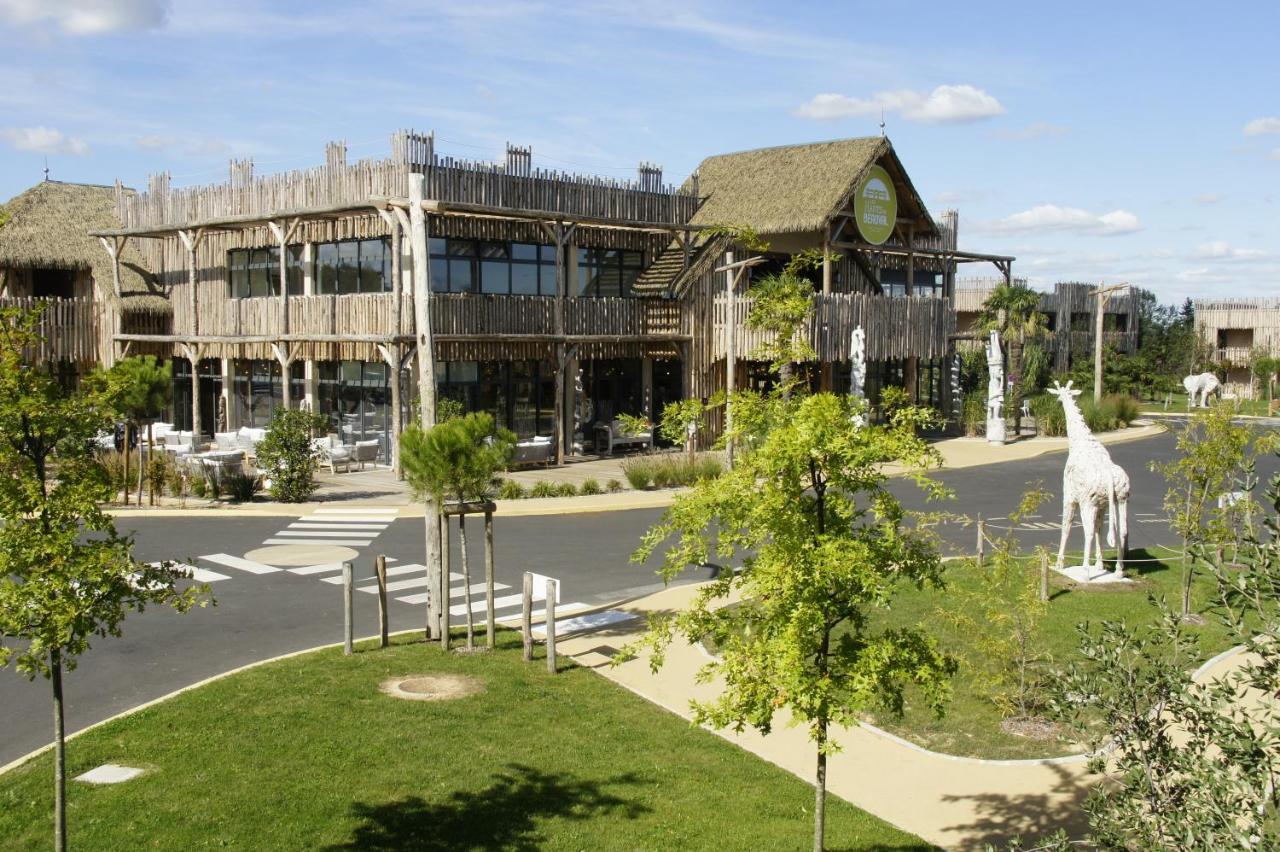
x=88 y=17
x=1222 y=250
x=1262 y=127
x=944 y=105
x=1208 y=198
x=1274 y=155
x=1051 y=217
x=1033 y=131
x=201 y=147
x=44 y=140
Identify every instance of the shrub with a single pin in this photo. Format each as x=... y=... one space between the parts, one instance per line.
x=639 y=472
x=1050 y=419
x=241 y=487
x=511 y=490
x=590 y=487
x=1126 y=409
x=544 y=489
x=707 y=468
x=566 y=489
x=199 y=486
x=664 y=474
x=117 y=474
x=287 y=457
x=1112 y=412
x=613 y=486
x=974 y=412
x=175 y=482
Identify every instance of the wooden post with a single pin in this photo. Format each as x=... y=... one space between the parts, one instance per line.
x=418 y=245
x=391 y=357
x=442 y=587
x=192 y=351
x=730 y=353
x=466 y=580
x=1044 y=575
x=380 y=566
x=488 y=580
x=553 y=590
x=526 y=617
x=1097 y=345
x=982 y=537
x=347 y=608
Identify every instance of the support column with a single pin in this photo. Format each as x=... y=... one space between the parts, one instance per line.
x=391 y=356
x=228 y=393
x=825 y=381
x=646 y=391
x=309 y=384
x=911 y=369
x=192 y=353
x=419 y=244
x=284 y=354
x=730 y=349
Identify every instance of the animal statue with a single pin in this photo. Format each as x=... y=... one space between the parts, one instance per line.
x=1201 y=384
x=995 y=390
x=1094 y=483
x=858 y=371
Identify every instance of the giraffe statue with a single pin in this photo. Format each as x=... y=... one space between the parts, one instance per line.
x=1094 y=483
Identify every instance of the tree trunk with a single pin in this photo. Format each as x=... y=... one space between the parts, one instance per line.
x=125 y=476
x=820 y=790
x=151 y=444
x=142 y=465
x=466 y=581
x=59 y=757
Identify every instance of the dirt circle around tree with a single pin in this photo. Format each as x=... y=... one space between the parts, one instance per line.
x=431 y=687
x=1032 y=728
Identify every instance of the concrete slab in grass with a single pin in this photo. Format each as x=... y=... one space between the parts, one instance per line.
x=110 y=773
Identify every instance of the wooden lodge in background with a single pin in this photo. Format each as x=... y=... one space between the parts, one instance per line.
x=557 y=301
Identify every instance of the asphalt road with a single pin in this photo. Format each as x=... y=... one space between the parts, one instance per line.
x=264 y=615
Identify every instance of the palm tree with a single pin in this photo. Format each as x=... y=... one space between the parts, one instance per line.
x=1014 y=311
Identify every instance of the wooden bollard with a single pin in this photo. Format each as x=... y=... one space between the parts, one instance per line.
x=380 y=568
x=526 y=617
x=552 y=591
x=347 y=608
x=1044 y=575
x=488 y=579
x=982 y=539
x=444 y=582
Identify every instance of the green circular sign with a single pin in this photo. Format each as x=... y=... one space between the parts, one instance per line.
x=875 y=206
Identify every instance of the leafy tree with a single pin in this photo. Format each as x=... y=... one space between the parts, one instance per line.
x=458 y=460
x=1264 y=369
x=781 y=305
x=287 y=456
x=683 y=419
x=1211 y=450
x=823 y=545
x=144 y=391
x=66 y=574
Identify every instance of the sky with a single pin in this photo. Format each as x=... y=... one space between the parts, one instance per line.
x=1120 y=142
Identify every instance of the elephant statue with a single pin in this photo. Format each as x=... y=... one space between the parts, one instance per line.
x=1201 y=385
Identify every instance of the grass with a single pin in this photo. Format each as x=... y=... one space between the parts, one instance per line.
x=971 y=726
x=1178 y=405
x=305 y=753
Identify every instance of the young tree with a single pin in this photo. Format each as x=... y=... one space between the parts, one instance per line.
x=823 y=545
x=459 y=460
x=287 y=456
x=144 y=389
x=66 y=574
x=1211 y=450
x=1014 y=311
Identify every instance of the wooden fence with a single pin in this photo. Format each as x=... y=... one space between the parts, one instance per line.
x=896 y=327
x=68 y=329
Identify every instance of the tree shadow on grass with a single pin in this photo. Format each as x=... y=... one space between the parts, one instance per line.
x=1000 y=818
x=505 y=815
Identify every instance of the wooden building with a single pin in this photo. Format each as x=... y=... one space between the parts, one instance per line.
x=1070 y=313
x=556 y=301
x=1235 y=329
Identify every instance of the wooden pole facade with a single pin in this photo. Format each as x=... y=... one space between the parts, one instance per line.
x=426 y=388
x=1097 y=345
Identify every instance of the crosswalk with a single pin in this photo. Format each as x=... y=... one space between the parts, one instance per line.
x=352 y=527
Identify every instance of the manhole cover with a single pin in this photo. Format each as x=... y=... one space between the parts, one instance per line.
x=437 y=687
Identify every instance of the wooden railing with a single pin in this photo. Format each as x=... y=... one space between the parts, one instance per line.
x=68 y=328
x=895 y=327
x=453 y=314
x=1235 y=355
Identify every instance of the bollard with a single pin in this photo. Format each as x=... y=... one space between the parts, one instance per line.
x=488 y=579
x=982 y=536
x=347 y=612
x=1044 y=575
x=444 y=581
x=526 y=617
x=380 y=568
x=552 y=592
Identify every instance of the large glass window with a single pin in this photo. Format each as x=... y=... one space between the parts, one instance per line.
x=519 y=394
x=256 y=272
x=608 y=272
x=500 y=268
x=352 y=266
x=257 y=391
x=356 y=397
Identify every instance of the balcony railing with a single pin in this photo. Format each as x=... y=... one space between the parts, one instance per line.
x=1234 y=355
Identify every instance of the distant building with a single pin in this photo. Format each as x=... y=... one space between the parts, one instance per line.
x=1234 y=329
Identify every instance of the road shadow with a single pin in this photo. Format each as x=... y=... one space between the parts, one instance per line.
x=1000 y=818
x=505 y=815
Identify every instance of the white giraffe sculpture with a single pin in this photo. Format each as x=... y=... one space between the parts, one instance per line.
x=1094 y=483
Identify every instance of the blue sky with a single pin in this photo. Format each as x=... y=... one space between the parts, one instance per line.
x=1130 y=141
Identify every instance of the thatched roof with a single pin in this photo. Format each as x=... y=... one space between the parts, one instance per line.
x=796 y=189
x=49 y=228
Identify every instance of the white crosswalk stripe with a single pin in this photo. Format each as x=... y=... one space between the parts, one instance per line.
x=345 y=527
x=507 y=608
x=331 y=567
x=200 y=575
x=240 y=564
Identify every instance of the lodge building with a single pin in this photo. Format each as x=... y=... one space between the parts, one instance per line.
x=555 y=301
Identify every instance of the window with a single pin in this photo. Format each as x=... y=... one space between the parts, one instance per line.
x=608 y=272
x=498 y=268
x=257 y=391
x=254 y=273
x=519 y=394
x=353 y=266
x=356 y=397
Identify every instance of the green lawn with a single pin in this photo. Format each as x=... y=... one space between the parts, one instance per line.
x=971 y=726
x=307 y=754
x=1178 y=405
